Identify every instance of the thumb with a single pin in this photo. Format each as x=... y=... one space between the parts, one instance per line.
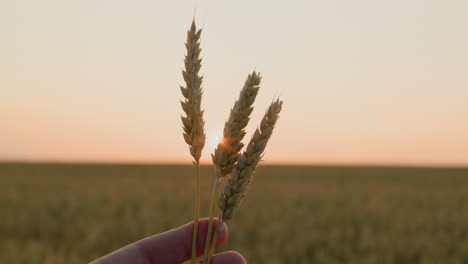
x=173 y=246
x=176 y=245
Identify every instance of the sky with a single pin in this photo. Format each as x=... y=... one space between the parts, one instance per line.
x=363 y=82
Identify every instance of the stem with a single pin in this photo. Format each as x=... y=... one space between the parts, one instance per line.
x=212 y=209
x=197 y=214
x=213 y=242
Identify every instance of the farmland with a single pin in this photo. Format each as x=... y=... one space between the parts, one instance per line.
x=74 y=213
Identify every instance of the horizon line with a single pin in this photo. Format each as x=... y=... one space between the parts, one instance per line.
x=270 y=163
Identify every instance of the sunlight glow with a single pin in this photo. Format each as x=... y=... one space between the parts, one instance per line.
x=213 y=139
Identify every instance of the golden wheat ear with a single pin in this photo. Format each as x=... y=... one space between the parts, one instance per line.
x=193 y=122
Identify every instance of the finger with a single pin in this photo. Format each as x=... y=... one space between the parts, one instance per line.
x=175 y=246
x=229 y=257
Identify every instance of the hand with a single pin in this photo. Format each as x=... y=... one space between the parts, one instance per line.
x=170 y=247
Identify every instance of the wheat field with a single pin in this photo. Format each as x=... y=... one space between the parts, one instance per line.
x=72 y=214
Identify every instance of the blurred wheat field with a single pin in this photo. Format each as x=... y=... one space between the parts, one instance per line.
x=72 y=214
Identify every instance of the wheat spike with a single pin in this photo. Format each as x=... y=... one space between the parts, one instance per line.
x=193 y=123
x=227 y=151
x=236 y=187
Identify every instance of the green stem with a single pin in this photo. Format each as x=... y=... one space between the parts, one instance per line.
x=197 y=215
x=213 y=242
x=212 y=210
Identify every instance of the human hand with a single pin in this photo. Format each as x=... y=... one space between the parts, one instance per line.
x=171 y=247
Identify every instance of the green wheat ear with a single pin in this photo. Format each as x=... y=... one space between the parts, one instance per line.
x=227 y=151
x=236 y=187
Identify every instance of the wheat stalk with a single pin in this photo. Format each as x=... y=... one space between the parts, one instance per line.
x=241 y=177
x=227 y=151
x=193 y=123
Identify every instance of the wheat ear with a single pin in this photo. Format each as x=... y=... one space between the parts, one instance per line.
x=227 y=151
x=193 y=123
x=236 y=187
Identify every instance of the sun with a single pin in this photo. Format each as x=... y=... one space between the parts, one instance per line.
x=213 y=139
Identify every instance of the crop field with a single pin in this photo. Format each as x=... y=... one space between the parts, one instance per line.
x=72 y=214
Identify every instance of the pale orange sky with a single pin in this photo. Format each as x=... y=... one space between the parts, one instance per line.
x=364 y=82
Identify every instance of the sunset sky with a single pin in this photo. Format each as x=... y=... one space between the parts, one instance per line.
x=363 y=82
